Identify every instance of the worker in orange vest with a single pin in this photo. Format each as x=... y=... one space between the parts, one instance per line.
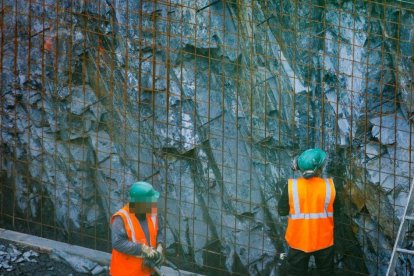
x=135 y=232
x=309 y=203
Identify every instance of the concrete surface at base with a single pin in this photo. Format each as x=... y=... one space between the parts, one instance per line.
x=48 y=246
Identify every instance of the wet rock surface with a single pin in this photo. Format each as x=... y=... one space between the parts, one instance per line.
x=16 y=260
x=209 y=101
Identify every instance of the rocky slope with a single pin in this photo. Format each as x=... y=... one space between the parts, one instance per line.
x=209 y=101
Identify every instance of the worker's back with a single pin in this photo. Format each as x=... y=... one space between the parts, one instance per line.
x=310 y=223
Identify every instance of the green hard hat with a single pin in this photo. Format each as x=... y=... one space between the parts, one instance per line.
x=311 y=160
x=143 y=192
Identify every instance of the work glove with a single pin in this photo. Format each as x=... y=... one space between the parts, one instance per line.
x=159 y=259
x=153 y=258
x=159 y=248
x=148 y=251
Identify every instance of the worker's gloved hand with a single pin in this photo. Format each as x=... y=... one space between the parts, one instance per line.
x=160 y=249
x=148 y=251
x=153 y=257
x=158 y=259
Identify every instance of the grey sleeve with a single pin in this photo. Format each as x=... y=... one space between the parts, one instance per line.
x=120 y=240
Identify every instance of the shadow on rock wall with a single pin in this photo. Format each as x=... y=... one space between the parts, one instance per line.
x=209 y=101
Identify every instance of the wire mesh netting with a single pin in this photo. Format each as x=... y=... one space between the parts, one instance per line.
x=209 y=101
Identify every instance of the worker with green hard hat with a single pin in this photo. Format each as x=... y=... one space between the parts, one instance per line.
x=308 y=201
x=136 y=233
x=310 y=162
x=143 y=192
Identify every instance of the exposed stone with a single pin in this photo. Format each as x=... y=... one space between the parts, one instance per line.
x=17 y=260
x=82 y=97
x=209 y=101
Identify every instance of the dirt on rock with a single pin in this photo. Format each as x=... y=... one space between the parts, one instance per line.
x=16 y=259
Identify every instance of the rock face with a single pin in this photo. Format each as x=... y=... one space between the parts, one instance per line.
x=209 y=101
x=18 y=260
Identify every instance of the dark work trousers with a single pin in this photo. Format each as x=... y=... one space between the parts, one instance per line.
x=298 y=261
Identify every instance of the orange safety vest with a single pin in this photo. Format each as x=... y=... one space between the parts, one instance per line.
x=123 y=264
x=310 y=222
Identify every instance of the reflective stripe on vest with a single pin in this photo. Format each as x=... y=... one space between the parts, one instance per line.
x=296 y=204
x=129 y=224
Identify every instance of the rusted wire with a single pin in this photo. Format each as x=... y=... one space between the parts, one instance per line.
x=107 y=62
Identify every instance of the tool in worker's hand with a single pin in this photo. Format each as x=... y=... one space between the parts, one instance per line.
x=156 y=259
x=158 y=271
x=151 y=263
x=169 y=263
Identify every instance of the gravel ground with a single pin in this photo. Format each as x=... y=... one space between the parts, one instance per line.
x=19 y=260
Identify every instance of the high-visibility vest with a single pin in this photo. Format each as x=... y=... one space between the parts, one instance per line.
x=310 y=222
x=123 y=264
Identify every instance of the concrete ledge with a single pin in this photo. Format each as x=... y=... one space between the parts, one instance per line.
x=50 y=246
x=46 y=245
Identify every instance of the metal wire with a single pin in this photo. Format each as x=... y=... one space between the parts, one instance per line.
x=244 y=108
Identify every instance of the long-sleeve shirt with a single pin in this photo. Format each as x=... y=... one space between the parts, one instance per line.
x=120 y=240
